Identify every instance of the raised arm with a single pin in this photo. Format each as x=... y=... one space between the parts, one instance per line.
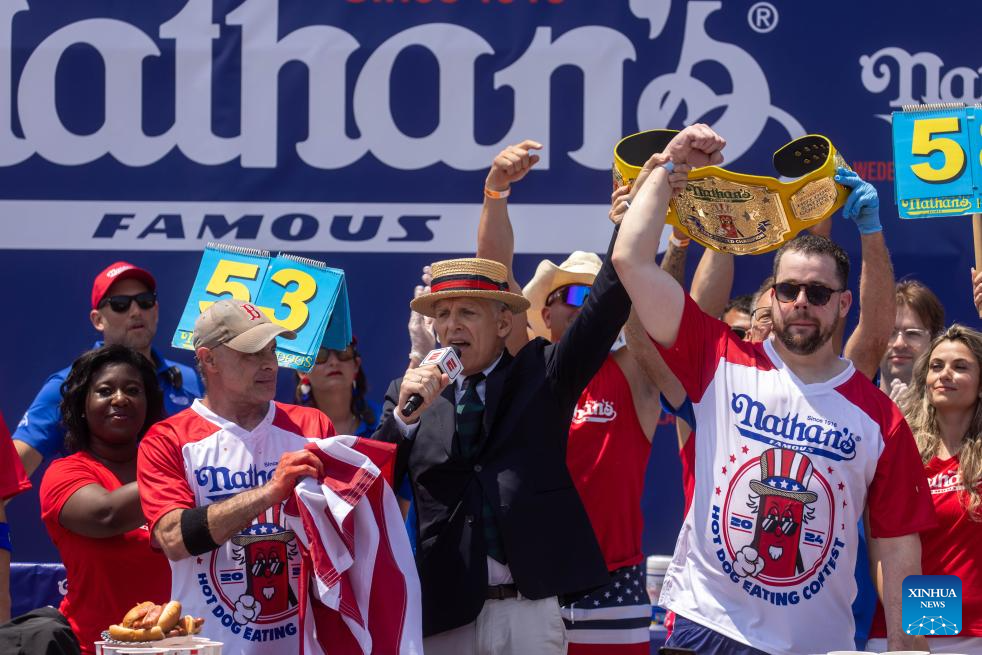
x=877 y=296
x=658 y=298
x=495 y=237
x=673 y=261
x=712 y=284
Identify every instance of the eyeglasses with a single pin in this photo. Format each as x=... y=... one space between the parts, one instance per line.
x=345 y=355
x=762 y=316
x=573 y=295
x=739 y=331
x=787 y=524
x=910 y=335
x=120 y=304
x=817 y=294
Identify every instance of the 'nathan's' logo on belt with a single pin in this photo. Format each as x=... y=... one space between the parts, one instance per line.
x=704 y=193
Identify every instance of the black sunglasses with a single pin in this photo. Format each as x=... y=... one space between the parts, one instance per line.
x=120 y=304
x=345 y=355
x=787 y=524
x=739 y=331
x=817 y=294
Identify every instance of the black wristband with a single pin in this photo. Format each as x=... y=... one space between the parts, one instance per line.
x=195 y=532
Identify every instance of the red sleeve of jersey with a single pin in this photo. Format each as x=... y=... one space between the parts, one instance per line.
x=63 y=478
x=13 y=479
x=161 y=476
x=700 y=344
x=899 y=497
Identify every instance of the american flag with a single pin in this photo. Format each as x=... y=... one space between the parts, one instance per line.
x=613 y=619
x=359 y=591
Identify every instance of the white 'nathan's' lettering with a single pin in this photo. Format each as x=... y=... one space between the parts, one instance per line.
x=325 y=51
x=898 y=69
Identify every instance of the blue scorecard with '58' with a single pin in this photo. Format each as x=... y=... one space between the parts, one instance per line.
x=300 y=294
x=932 y=605
x=936 y=152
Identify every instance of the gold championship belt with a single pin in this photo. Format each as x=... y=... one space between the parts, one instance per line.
x=745 y=214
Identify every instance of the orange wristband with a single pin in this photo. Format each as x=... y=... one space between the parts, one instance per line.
x=497 y=195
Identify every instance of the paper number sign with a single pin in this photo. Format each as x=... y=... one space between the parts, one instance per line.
x=936 y=152
x=302 y=295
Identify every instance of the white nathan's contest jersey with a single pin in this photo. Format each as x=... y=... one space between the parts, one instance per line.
x=783 y=471
x=246 y=589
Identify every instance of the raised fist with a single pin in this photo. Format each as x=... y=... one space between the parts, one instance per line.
x=512 y=164
x=697 y=145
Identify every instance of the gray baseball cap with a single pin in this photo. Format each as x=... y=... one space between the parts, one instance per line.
x=239 y=325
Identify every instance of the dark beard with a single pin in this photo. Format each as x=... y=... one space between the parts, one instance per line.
x=805 y=344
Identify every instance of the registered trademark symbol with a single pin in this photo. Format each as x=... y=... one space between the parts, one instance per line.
x=762 y=17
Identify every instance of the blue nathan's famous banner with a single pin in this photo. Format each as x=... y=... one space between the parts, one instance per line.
x=359 y=132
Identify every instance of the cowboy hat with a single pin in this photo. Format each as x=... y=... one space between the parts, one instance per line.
x=579 y=268
x=469 y=277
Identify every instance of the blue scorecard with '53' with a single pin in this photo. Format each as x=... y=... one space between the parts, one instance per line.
x=936 y=153
x=932 y=605
x=300 y=294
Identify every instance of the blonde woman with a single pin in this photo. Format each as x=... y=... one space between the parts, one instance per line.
x=944 y=410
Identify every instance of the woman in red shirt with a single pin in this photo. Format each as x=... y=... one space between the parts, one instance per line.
x=944 y=410
x=89 y=500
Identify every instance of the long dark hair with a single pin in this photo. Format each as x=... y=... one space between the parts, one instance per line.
x=75 y=390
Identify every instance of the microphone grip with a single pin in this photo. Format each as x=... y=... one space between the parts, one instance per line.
x=412 y=404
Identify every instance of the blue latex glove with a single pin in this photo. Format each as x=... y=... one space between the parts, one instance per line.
x=863 y=205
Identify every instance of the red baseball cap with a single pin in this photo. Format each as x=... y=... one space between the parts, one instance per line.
x=113 y=274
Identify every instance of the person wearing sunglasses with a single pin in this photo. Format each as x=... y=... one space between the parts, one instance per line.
x=790 y=406
x=337 y=385
x=124 y=310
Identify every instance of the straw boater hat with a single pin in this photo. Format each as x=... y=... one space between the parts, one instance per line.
x=579 y=268
x=468 y=278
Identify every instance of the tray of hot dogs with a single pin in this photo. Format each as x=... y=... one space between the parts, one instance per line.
x=149 y=625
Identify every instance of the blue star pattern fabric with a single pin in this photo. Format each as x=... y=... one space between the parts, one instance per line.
x=617 y=614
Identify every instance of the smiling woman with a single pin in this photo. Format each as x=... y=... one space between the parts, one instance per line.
x=944 y=409
x=89 y=500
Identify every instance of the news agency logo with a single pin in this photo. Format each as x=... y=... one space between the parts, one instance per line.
x=932 y=605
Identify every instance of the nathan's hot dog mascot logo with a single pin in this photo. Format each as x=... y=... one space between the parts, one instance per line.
x=781 y=503
x=255 y=583
x=264 y=550
x=779 y=513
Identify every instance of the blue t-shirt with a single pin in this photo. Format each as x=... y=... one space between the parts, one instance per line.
x=41 y=426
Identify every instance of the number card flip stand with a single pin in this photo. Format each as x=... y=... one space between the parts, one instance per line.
x=300 y=294
x=937 y=157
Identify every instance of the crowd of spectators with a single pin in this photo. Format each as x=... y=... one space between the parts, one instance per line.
x=521 y=481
